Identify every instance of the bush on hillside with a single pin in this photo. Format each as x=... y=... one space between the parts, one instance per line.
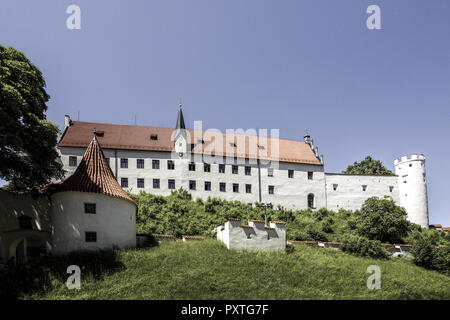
x=428 y=255
x=364 y=247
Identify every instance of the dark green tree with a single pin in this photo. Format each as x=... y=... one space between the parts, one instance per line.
x=27 y=139
x=383 y=220
x=368 y=166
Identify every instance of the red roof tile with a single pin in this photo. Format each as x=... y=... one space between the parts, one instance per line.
x=278 y=222
x=94 y=175
x=129 y=137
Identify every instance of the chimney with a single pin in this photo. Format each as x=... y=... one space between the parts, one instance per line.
x=67 y=121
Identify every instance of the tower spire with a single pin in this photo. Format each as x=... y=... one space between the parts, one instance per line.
x=180 y=119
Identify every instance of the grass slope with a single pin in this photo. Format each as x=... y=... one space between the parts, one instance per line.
x=207 y=270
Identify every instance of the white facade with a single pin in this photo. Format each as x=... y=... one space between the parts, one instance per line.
x=114 y=222
x=255 y=236
x=413 y=187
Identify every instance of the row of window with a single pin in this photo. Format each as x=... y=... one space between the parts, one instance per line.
x=364 y=187
x=192 y=185
x=191 y=167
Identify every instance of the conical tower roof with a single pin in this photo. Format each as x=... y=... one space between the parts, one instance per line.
x=180 y=120
x=94 y=175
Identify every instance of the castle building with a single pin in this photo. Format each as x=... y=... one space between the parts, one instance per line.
x=236 y=166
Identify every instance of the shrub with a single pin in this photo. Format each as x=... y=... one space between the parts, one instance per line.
x=428 y=255
x=364 y=247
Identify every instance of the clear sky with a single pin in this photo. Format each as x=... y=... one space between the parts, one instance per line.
x=286 y=64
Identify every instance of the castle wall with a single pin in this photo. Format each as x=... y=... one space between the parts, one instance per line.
x=350 y=195
x=255 y=236
x=114 y=222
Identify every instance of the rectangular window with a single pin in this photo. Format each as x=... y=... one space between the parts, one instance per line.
x=154 y=137
x=192 y=185
x=140 y=163
x=271 y=189
x=72 y=161
x=207 y=185
x=310 y=175
x=124 y=163
x=90 y=208
x=155 y=164
x=248 y=188
x=364 y=187
x=290 y=174
x=90 y=236
x=221 y=168
x=335 y=187
x=235 y=187
x=248 y=171
x=171 y=184
x=222 y=187
x=124 y=182
x=192 y=166
x=234 y=169
x=170 y=165
x=270 y=172
x=206 y=167
x=391 y=188
x=140 y=183
x=155 y=183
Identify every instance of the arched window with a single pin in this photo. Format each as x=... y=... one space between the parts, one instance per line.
x=311 y=203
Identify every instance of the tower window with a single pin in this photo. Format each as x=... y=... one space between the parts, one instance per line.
x=271 y=189
x=364 y=187
x=311 y=201
x=207 y=185
x=124 y=163
x=310 y=175
x=90 y=208
x=235 y=187
x=335 y=187
x=90 y=236
x=192 y=185
x=410 y=164
x=192 y=166
x=24 y=222
x=248 y=188
x=72 y=161
x=221 y=168
x=222 y=187
x=140 y=163
x=290 y=174
x=124 y=182
x=206 y=167
x=391 y=188
x=155 y=183
x=140 y=183
x=155 y=164
x=170 y=165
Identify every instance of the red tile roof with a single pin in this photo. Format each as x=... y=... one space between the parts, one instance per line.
x=257 y=221
x=278 y=222
x=194 y=237
x=129 y=137
x=93 y=175
x=435 y=225
x=157 y=235
x=446 y=229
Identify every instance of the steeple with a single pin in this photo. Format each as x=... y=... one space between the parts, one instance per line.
x=180 y=119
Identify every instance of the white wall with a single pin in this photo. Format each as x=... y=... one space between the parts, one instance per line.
x=114 y=222
x=290 y=193
x=349 y=193
x=254 y=237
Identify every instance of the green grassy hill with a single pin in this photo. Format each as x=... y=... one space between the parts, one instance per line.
x=207 y=270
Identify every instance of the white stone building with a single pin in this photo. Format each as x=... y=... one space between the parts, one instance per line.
x=239 y=167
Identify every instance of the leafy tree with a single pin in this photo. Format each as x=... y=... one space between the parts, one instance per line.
x=368 y=166
x=383 y=220
x=27 y=139
x=364 y=247
x=428 y=255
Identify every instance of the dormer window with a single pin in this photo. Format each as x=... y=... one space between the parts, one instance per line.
x=100 y=133
x=154 y=137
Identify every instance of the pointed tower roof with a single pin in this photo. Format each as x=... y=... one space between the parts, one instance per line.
x=94 y=175
x=180 y=120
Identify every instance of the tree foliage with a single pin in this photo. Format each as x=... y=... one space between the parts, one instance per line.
x=368 y=166
x=27 y=139
x=383 y=220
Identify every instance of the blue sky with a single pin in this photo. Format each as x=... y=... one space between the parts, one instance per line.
x=288 y=64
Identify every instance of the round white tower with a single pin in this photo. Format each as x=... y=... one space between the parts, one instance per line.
x=412 y=186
